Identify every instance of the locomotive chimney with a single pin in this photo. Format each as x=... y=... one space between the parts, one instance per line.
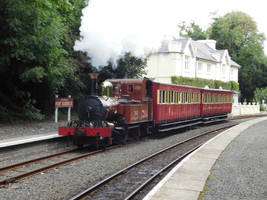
x=93 y=82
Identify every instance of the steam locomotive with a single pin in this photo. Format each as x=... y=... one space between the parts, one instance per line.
x=136 y=107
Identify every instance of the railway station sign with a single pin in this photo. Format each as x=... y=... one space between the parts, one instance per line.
x=64 y=102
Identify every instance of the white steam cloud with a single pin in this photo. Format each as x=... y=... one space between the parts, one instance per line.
x=112 y=27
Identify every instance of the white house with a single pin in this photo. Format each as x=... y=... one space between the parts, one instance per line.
x=189 y=58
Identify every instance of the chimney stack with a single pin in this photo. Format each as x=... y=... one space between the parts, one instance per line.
x=93 y=83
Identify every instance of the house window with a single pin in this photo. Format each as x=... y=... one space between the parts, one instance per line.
x=200 y=67
x=187 y=63
x=208 y=68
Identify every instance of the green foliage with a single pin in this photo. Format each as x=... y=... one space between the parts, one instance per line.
x=262 y=107
x=127 y=66
x=31 y=112
x=199 y=82
x=237 y=32
x=130 y=66
x=234 y=86
x=192 y=31
x=36 y=56
x=35 y=74
x=261 y=94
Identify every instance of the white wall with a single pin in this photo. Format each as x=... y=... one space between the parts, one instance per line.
x=245 y=109
x=162 y=66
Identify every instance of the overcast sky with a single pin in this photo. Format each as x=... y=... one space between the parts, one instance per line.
x=110 y=28
x=200 y=11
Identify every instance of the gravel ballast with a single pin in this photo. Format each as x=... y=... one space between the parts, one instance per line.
x=65 y=181
x=241 y=172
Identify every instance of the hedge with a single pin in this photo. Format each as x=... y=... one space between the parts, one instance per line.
x=200 y=82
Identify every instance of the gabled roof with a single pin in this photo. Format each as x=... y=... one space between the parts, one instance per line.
x=203 y=51
x=200 y=49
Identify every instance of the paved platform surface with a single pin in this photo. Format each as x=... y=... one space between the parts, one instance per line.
x=231 y=166
x=28 y=139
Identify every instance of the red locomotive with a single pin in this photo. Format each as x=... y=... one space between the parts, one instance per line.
x=133 y=107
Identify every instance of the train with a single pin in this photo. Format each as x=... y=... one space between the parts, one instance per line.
x=132 y=108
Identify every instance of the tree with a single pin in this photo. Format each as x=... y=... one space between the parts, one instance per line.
x=36 y=39
x=237 y=32
x=130 y=66
x=192 y=31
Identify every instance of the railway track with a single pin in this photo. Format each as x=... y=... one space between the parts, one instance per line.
x=18 y=171
x=128 y=182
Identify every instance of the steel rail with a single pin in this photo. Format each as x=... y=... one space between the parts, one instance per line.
x=16 y=165
x=160 y=171
x=101 y=183
x=38 y=170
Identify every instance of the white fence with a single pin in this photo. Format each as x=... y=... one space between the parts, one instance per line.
x=245 y=109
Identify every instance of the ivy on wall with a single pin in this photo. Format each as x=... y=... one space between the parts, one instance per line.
x=200 y=82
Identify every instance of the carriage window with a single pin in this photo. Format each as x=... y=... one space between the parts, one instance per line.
x=158 y=96
x=130 y=88
x=190 y=97
x=163 y=96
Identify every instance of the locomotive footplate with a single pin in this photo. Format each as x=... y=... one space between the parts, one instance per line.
x=88 y=131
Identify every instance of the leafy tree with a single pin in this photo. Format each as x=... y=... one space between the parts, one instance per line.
x=237 y=32
x=260 y=95
x=36 y=40
x=130 y=66
x=192 y=31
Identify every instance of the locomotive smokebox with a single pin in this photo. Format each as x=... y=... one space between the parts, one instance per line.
x=93 y=83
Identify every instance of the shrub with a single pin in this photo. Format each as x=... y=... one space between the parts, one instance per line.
x=200 y=82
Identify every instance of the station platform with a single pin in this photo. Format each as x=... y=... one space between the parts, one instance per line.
x=230 y=166
x=28 y=139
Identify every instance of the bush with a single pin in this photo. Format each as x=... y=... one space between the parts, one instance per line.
x=200 y=82
x=31 y=112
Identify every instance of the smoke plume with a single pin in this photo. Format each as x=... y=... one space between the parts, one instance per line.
x=112 y=27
